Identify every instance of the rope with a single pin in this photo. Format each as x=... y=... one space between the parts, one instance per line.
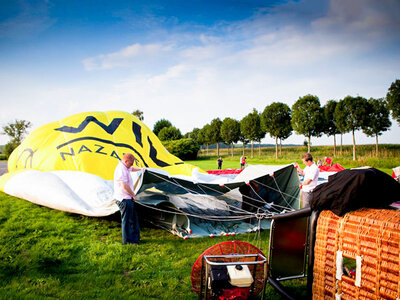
x=208 y=217
x=233 y=208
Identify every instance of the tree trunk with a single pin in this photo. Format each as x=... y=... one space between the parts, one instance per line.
x=334 y=145
x=276 y=147
x=309 y=144
x=218 y=149
x=243 y=148
x=252 y=148
x=232 y=149
x=341 y=144
x=354 y=145
x=280 y=147
x=377 y=150
x=207 y=149
x=259 y=149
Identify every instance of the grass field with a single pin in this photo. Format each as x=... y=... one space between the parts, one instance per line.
x=51 y=254
x=46 y=253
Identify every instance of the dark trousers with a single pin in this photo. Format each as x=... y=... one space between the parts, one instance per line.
x=129 y=222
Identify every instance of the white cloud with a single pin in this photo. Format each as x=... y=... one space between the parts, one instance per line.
x=125 y=57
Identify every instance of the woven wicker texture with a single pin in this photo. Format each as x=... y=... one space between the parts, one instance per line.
x=373 y=234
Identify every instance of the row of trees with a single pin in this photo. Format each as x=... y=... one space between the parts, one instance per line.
x=306 y=117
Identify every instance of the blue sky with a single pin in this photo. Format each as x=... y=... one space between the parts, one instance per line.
x=193 y=61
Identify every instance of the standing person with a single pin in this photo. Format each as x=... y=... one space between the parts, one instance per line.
x=219 y=162
x=310 y=180
x=125 y=198
x=242 y=161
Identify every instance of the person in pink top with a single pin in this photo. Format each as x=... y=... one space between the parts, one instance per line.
x=125 y=198
x=310 y=180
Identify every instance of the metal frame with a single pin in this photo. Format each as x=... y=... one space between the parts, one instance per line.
x=309 y=250
x=206 y=260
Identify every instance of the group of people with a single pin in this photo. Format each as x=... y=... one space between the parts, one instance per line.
x=242 y=162
x=327 y=161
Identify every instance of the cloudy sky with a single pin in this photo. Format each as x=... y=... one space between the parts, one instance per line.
x=191 y=61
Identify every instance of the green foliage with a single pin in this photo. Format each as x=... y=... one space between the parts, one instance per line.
x=393 y=98
x=307 y=117
x=9 y=148
x=170 y=133
x=276 y=120
x=250 y=126
x=17 y=130
x=230 y=130
x=377 y=120
x=329 y=114
x=194 y=135
x=139 y=114
x=160 y=124
x=214 y=131
x=185 y=149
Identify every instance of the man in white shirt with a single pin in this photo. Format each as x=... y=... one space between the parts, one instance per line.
x=310 y=173
x=125 y=198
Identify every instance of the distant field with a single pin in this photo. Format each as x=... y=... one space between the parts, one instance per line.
x=389 y=156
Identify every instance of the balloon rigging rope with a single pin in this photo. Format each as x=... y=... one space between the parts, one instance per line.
x=247 y=214
x=196 y=193
x=208 y=217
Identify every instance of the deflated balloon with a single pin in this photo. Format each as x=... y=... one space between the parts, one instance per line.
x=93 y=142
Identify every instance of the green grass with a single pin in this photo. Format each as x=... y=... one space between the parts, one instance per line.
x=46 y=253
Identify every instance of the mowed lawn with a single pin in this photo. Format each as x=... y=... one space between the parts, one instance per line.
x=46 y=253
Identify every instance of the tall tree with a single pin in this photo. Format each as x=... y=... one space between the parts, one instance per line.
x=16 y=131
x=330 y=123
x=170 y=133
x=243 y=139
x=307 y=117
x=193 y=135
x=350 y=115
x=377 y=119
x=286 y=132
x=138 y=114
x=340 y=116
x=160 y=124
x=393 y=99
x=214 y=132
x=250 y=126
x=276 y=120
x=204 y=136
x=230 y=132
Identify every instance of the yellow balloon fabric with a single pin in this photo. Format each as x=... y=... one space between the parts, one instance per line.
x=93 y=142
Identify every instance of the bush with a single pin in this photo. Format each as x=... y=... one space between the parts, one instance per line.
x=185 y=149
x=9 y=148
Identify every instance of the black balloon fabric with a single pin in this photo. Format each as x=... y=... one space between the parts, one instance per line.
x=350 y=190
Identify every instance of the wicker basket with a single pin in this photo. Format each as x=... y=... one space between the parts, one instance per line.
x=370 y=237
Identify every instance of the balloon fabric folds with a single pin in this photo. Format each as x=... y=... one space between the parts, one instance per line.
x=69 y=164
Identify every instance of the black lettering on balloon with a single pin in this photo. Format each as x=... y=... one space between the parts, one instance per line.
x=100 y=148
x=72 y=153
x=84 y=149
x=92 y=138
x=137 y=132
x=114 y=154
x=110 y=129
x=153 y=155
